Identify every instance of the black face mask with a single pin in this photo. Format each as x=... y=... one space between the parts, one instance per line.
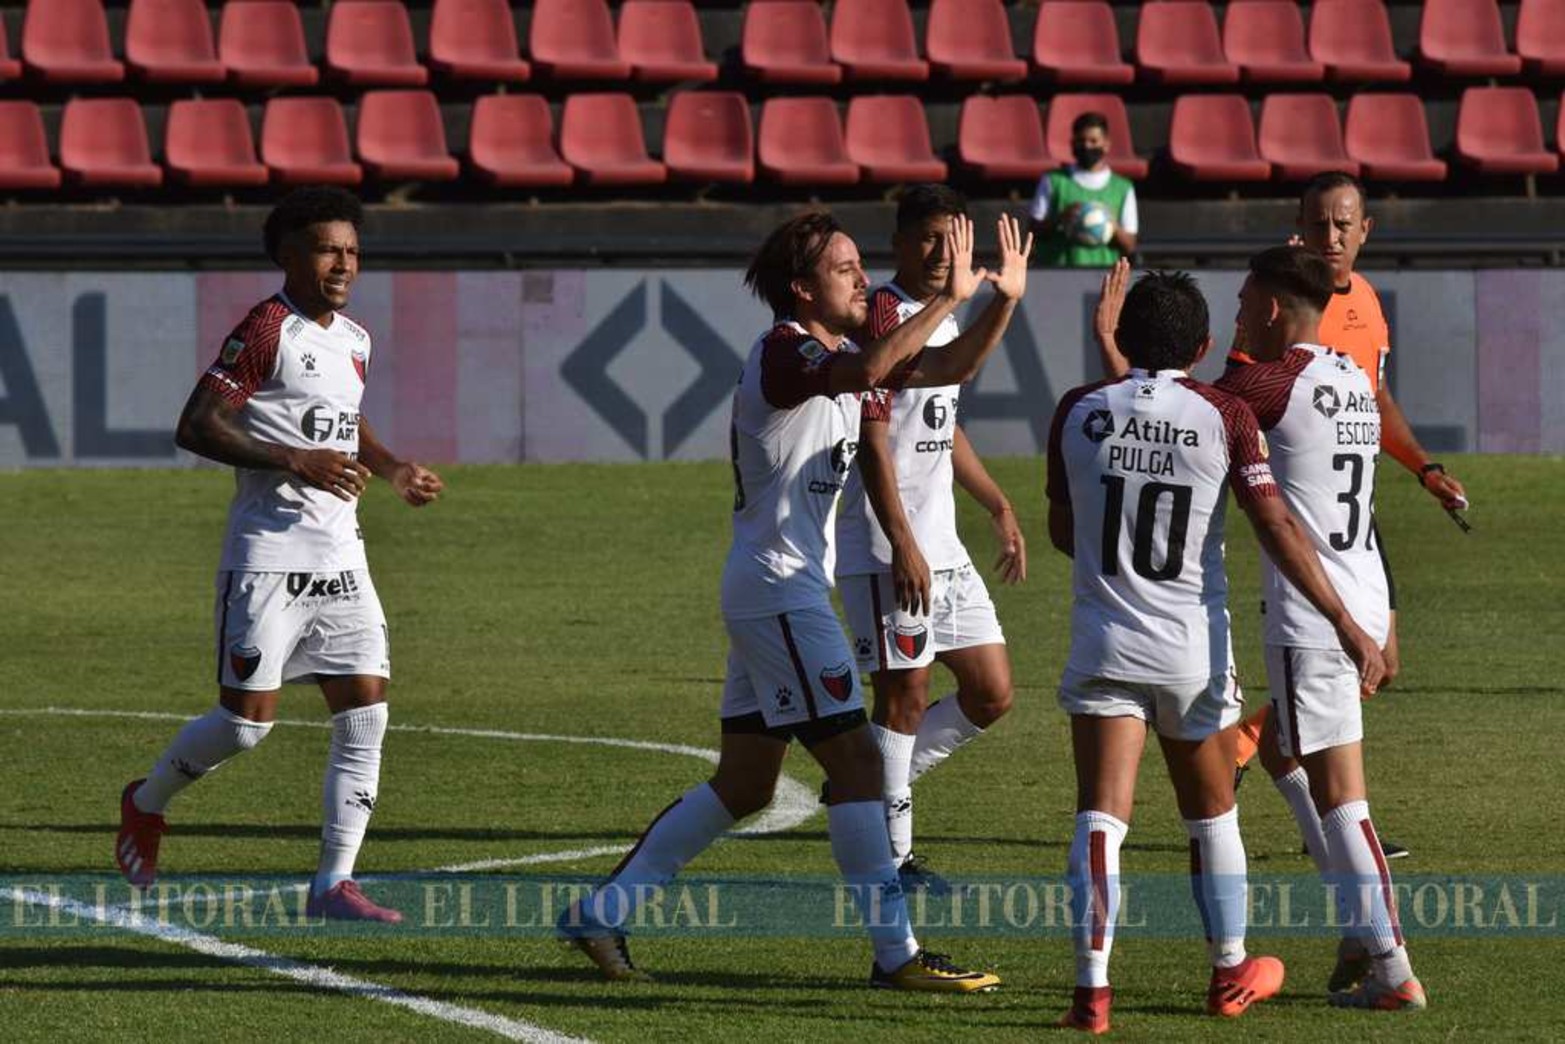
x=1087 y=158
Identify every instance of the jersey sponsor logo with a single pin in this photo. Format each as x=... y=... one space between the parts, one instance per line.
x=842 y=455
x=1098 y=426
x=320 y=423
x=1159 y=431
x=1257 y=475
x=936 y=412
x=838 y=681
x=1327 y=402
x=231 y=349
x=243 y=660
x=911 y=640
x=934 y=446
x=309 y=365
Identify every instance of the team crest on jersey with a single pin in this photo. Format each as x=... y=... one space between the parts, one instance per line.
x=243 y=660
x=1264 y=446
x=1098 y=426
x=231 y=349
x=814 y=354
x=361 y=364
x=838 y=682
x=911 y=640
x=1327 y=403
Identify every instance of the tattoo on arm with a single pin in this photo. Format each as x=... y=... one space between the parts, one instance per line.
x=209 y=426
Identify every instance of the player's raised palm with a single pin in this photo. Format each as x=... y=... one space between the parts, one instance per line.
x=1010 y=281
x=963 y=282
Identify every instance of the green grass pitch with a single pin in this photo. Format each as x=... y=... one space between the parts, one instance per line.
x=582 y=601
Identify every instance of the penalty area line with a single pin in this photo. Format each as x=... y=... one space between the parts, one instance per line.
x=309 y=974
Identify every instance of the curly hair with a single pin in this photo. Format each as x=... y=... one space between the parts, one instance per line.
x=304 y=207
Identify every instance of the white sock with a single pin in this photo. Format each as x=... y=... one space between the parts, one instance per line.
x=680 y=832
x=348 y=795
x=1365 y=900
x=1092 y=870
x=943 y=730
x=200 y=746
x=896 y=750
x=863 y=854
x=1295 y=790
x=1218 y=877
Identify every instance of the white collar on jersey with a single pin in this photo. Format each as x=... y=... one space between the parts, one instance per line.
x=1139 y=374
x=297 y=311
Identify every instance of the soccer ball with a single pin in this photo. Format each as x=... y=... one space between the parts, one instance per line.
x=1094 y=226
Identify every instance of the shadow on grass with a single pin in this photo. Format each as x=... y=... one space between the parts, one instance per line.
x=313 y=831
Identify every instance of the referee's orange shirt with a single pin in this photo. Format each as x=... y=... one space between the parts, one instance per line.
x=1353 y=324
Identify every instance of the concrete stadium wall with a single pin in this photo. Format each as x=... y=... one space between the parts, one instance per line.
x=624 y=365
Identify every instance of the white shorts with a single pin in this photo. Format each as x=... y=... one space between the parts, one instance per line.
x=791 y=669
x=1315 y=695
x=1189 y=711
x=886 y=638
x=284 y=627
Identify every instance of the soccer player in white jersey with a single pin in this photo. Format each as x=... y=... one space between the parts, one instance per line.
x=1319 y=412
x=795 y=429
x=1139 y=469
x=908 y=587
x=294 y=598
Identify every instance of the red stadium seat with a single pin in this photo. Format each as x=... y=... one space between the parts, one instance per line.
x=1211 y=138
x=305 y=142
x=1002 y=138
x=574 y=40
x=1300 y=136
x=1076 y=41
x=602 y=137
x=1465 y=38
x=262 y=44
x=1352 y=38
x=873 y=40
x=971 y=40
x=1388 y=135
x=801 y=143
x=103 y=143
x=10 y=68
x=475 y=40
x=402 y=137
x=370 y=43
x=170 y=41
x=708 y=137
x=661 y=39
x=67 y=41
x=1063 y=110
x=785 y=42
x=1540 y=36
x=1499 y=131
x=208 y=143
x=888 y=138
x=24 y=151
x=1265 y=38
x=512 y=142
x=1177 y=42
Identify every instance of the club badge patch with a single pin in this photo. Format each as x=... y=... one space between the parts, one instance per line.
x=231 y=349
x=244 y=659
x=838 y=682
x=911 y=641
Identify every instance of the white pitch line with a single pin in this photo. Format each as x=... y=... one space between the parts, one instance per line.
x=793 y=803
x=309 y=974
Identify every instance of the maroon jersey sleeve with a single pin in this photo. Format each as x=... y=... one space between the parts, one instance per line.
x=248 y=356
x=875 y=407
x=1249 y=472
x=883 y=315
x=1057 y=486
x=1266 y=387
x=794 y=367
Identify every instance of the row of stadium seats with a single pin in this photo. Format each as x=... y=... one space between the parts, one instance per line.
x=371 y=43
x=708 y=137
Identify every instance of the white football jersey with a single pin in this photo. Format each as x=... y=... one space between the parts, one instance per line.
x=1318 y=410
x=923 y=433
x=1144 y=463
x=793 y=443
x=296 y=384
